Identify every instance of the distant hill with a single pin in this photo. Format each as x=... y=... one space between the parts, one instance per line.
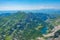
x=48 y=11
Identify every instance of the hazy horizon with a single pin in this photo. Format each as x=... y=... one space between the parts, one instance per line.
x=29 y=4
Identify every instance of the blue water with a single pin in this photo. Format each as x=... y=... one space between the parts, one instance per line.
x=44 y=30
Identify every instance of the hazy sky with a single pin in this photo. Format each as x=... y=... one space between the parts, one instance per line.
x=29 y=4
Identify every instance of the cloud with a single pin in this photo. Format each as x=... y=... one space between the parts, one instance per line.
x=22 y=7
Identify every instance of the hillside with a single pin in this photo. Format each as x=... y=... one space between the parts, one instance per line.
x=26 y=26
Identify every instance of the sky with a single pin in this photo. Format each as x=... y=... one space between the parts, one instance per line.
x=29 y=4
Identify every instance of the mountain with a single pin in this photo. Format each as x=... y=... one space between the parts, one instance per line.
x=23 y=25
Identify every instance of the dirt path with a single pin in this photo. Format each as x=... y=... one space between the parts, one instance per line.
x=53 y=31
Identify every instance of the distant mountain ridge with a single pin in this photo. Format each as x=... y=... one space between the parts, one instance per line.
x=48 y=11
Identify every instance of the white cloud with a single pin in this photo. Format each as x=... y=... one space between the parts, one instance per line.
x=27 y=7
